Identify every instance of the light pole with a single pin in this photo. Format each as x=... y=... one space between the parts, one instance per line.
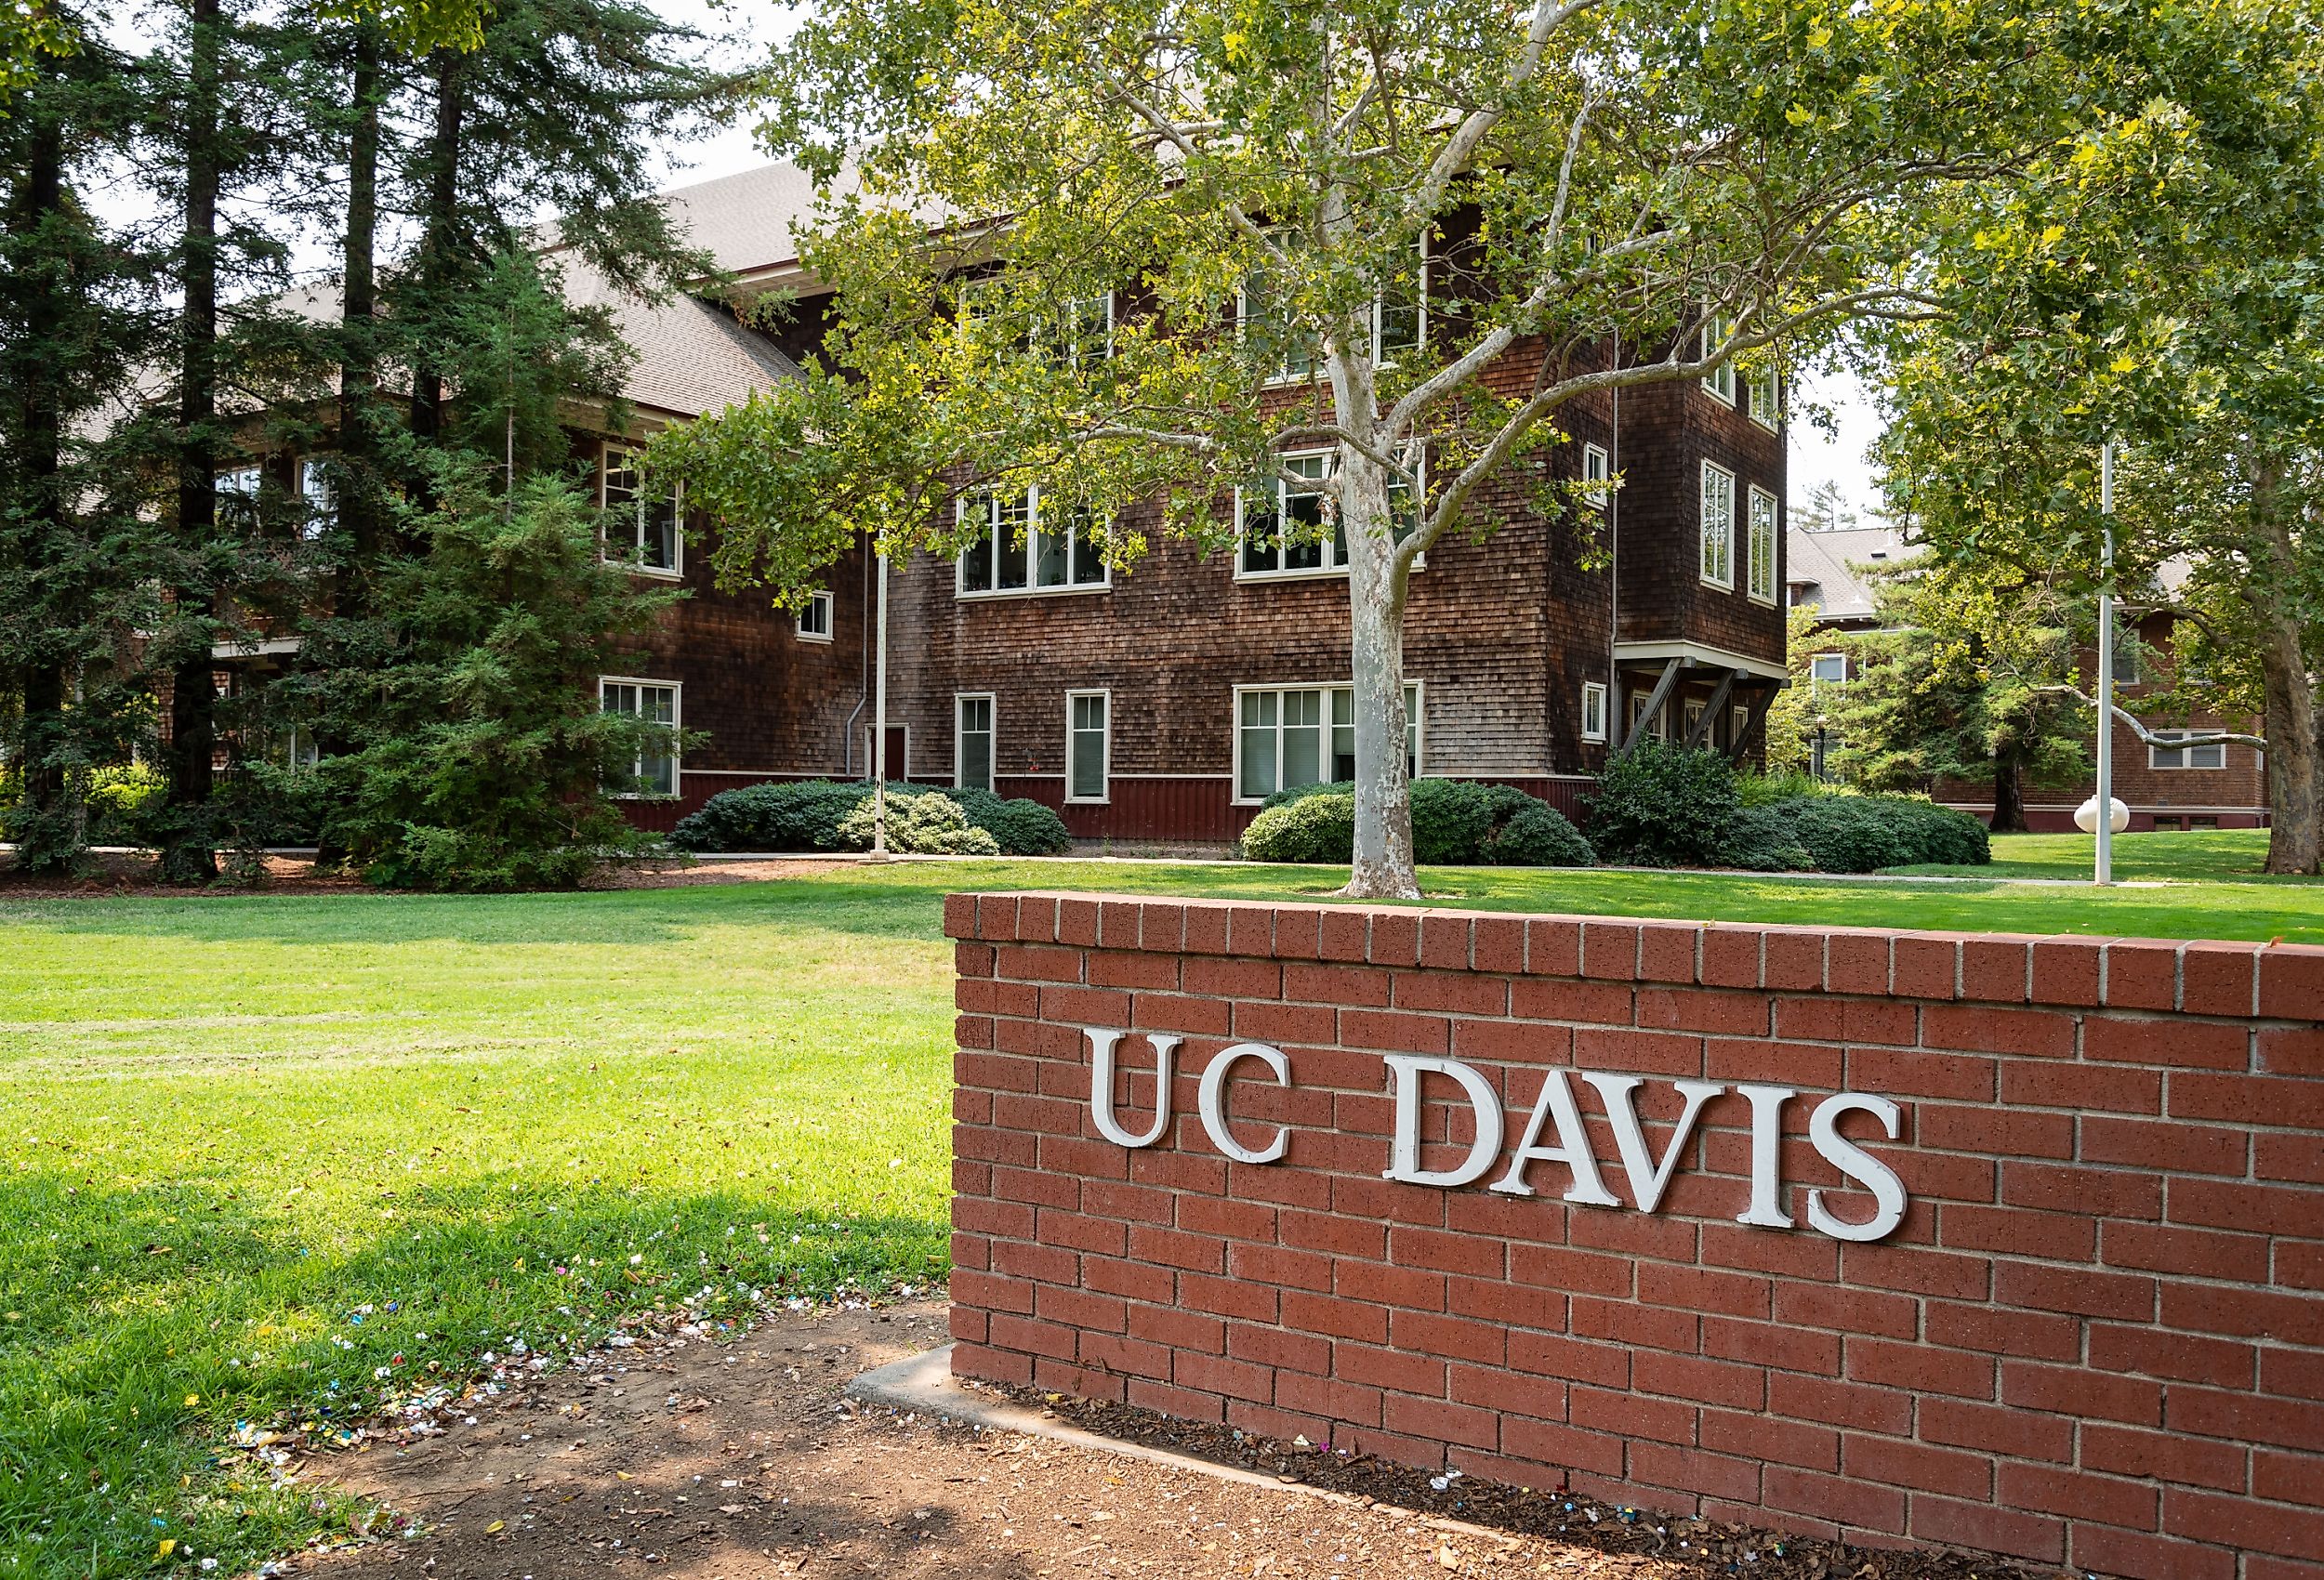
x=879 y=720
x=2105 y=872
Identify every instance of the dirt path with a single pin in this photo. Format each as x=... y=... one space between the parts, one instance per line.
x=743 y=1461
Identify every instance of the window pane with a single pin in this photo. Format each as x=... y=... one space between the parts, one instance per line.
x=1053 y=556
x=1343 y=735
x=1088 y=767
x=1302 y=738
x=1013 y=515
x=976 y=560
x=1303 y=525
x=1412 y=731
x=976 y=742
x=657 y=535
x=1088 y=563
x=2212 y=756
x=1260 y=527
x=1259 y=744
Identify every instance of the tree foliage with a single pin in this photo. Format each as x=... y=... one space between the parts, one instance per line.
x=1697 y=183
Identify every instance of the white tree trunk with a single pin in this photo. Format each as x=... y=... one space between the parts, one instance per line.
x=2295 y=762
x=1383 y=867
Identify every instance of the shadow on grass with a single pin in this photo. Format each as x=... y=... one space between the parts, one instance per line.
x=140 y=1324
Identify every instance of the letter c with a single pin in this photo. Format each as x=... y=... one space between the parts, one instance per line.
x=1213 y=1101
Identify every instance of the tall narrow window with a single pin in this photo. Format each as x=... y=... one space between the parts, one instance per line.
x=1720 y=381
x=1087 y=745
x=237 y=495
x=1086 y=329
x=1718 y=512
x=1593 y=710
x=319 y=498
x=973 y=735
x=814 y=620
x=654 y=770
x=1766 y=400
x=642 y=526
x=1761 y=584
x=1597 y=475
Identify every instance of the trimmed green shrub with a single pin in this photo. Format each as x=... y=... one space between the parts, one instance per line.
x=1455 y=823
x=813 y=814
x=1310 y=828
x=923 y=825
x=1862 y=833
x=777 y=815
x=1537 y=834
x=1024 y=827
x=1659 y=805
x=1763 y=841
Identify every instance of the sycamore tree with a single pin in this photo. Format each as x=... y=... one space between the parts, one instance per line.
x=2157 y=281
x=1130 y=253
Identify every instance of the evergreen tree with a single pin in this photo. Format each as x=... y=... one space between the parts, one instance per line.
x=75 y=550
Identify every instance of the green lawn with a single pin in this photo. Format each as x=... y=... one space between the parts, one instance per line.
x=236 y=1125
x=2224 y=855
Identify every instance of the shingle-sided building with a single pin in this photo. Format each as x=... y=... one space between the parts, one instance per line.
x=1164 y=702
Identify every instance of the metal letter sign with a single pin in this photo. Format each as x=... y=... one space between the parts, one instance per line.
x=1554 y=1110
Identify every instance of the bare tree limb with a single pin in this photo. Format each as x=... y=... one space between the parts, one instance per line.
x=2214 y=738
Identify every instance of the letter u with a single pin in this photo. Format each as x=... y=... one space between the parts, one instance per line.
x=1102 y=1044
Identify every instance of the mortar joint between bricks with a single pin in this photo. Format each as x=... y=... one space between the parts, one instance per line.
x=2178 y=978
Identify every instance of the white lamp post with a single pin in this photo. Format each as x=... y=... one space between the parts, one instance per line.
x=2103 y=813
x=879 y=720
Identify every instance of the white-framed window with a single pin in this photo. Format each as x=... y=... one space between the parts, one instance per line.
x=1089 y=744
x=1829 y=669
x=1015 y=551
x=1719 y=381
x=1288 y=539
x=1597 y=475
x=2126 y=652
x=1593 y=710
x=236 y=491
x=1738 y=721
x=299 y=750
x=1086 y=328
x=1287 y=736
x=319 y=500
x=972 y=740
x=1718 y=512
x=1690 y=715
x=1761 y=550
x=2211 y=756
x=1766 y=397
x=642 y=524
x=1654 y=726
x=655 y=702
x=814 y=618
x=1399 y=321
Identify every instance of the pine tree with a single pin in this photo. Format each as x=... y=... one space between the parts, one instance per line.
x=75 y=550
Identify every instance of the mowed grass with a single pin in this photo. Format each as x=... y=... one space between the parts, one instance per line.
x=257 y=1149
x=2231 y=855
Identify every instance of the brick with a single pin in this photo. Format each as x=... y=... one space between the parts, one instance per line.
x=2218 y=979
x=1730 y=957
x=1859 y=1405
x=1635 y=1416
x=1998 y=1331
x=1854 y=1503
x=1920 y=1369
x=1700 y=1381
x=2102 y=1551
x=960 y=916
x=2285 y=1316
x=1552 y=947
x=1856 y=962
x=1925 y=966
x=2058 y=1236
x=2068 y=1187
x=2142 y=973
x=1329 y=1399
x=1693 y=1471
x=2082 y=1086
x=2071 y=1390
x=1765 y=1438
x=2288 y=1477
x=2144 y=1143
x=2067 y=970
x=2189 y=1252
x=1729 y=1014
x=2082 y=1291
x=2242 y=1525
x=1298 y=932
x=2001 y=1429
x=1564 y=1447
x=2231 y=1204
x=1500 y=943
x=1996 y=968
x=1161 y=926
x=1459 y=992
x=1609 y=951
x=1440 y=1420
x=2289 y=1050
x=1899 y=1462
x=1395 y=939
x=2178 y=1041
x=1573 y=1360
x=2169 y=1457
x=1988 y=1529
x=1792 y=959
x=1391 y=1369
x=2247 y=1100
x=1445 y=939
x=2043 y=1034
x=1666 y=951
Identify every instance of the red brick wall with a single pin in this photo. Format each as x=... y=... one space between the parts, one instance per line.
x=2097 y=1338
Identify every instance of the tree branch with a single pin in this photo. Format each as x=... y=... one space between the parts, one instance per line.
x=2215 y=738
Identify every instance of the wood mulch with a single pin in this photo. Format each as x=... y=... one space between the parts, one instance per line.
x=744 y=1460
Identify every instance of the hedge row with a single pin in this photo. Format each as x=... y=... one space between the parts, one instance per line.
x=1664 y=806
x=1455 y=823
x=822 y=814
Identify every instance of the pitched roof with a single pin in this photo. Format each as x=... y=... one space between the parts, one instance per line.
x=1830 y=569
x=693 y=356
x=745 y=220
